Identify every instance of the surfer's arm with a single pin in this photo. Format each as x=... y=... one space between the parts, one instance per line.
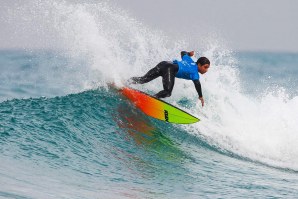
x=197 y=84
x=191 y=53
x=198 y=87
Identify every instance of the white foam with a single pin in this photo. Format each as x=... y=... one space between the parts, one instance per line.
x=261 y=128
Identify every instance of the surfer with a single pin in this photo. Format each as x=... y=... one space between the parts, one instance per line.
x=168 y=70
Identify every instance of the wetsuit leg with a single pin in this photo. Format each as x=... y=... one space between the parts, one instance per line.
x=150 y=75
x=168 y=80
x=165 y=69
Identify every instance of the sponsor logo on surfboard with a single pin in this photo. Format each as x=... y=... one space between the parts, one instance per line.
x=166 y=115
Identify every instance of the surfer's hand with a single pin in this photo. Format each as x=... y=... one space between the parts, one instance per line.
x=191 y=53
x=202 y=100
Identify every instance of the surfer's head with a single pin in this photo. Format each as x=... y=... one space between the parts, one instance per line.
x=203 y=64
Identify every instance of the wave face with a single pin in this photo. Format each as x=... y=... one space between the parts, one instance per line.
x=65 y=134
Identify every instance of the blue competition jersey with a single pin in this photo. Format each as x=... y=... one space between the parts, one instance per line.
x=188 y=69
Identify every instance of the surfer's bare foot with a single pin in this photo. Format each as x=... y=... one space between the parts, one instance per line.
x=130 y=81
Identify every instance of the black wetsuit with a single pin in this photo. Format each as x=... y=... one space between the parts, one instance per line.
x=167 y=70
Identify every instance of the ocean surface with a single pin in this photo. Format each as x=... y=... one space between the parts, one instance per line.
x=65 y=134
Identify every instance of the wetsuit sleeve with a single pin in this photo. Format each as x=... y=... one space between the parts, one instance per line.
x=184 y=53
x=198 y=87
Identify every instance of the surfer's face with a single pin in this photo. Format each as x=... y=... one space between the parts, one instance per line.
x=203 y=68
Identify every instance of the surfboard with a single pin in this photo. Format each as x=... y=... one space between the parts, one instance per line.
x=157 y=108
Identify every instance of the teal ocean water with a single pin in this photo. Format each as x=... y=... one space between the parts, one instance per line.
x=65 y=134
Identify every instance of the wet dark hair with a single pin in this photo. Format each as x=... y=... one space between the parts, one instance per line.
x=203 y=61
